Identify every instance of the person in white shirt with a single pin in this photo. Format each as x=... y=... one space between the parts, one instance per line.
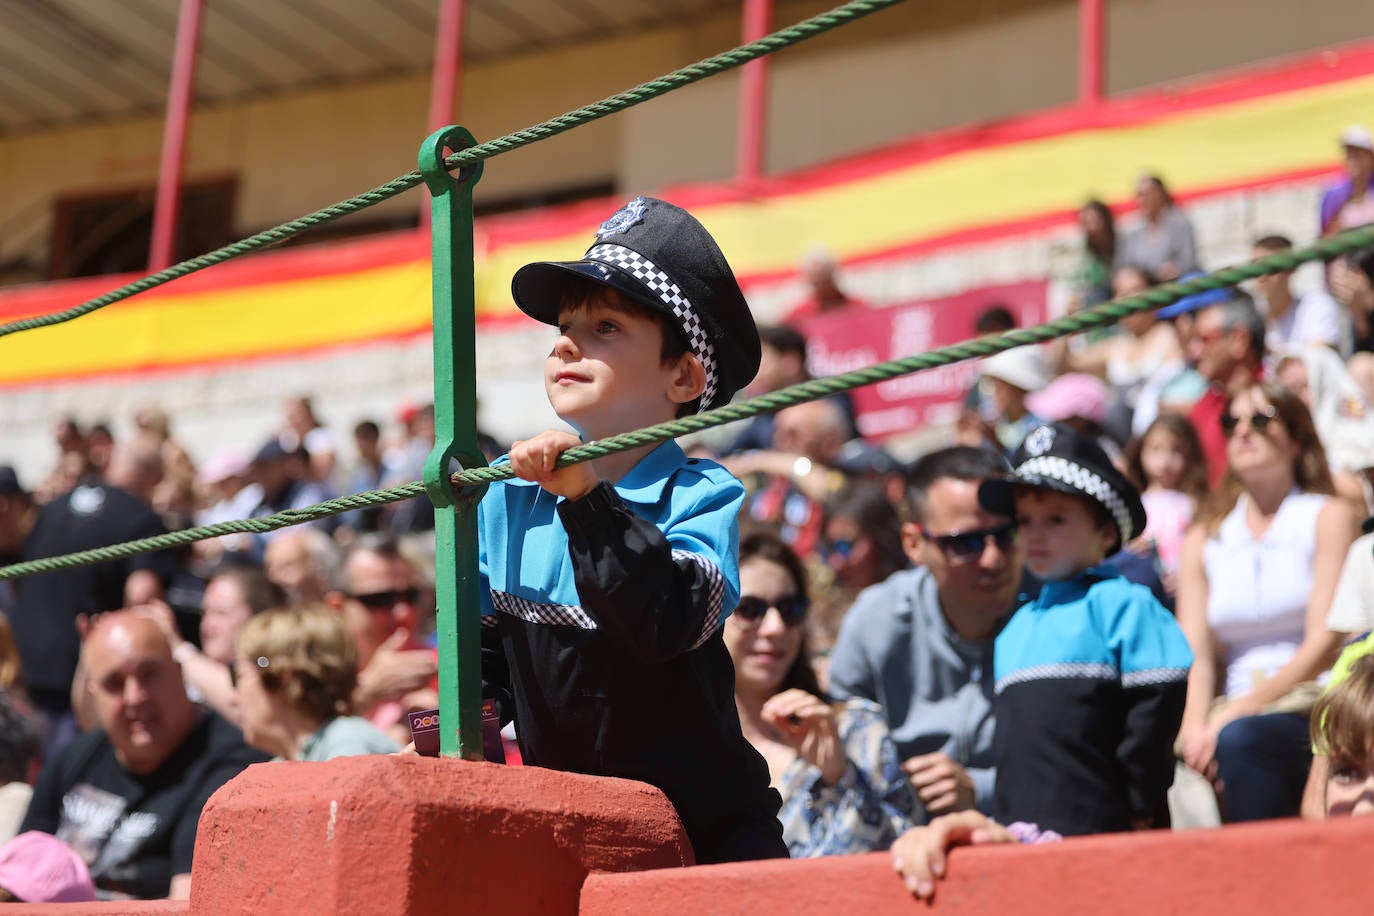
x=1352 y=607
x=1312 y=318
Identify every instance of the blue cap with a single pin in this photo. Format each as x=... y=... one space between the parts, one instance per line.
x=1195 y=301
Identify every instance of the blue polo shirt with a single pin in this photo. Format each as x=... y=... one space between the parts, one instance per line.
x=527 y=569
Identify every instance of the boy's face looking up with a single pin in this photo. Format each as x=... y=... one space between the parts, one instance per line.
x=1061 y=535
x=609 y=371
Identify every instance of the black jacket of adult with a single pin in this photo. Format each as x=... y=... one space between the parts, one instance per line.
x=46 y=605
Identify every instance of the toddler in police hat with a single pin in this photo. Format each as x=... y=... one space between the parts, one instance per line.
x=606 y=582
x=1091 y=676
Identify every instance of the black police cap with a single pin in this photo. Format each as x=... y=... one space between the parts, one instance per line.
x=1058 y=457
x=659 y=256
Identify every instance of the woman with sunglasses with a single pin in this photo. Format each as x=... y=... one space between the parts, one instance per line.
x=294 y=675
x=1257 y=575
x=841 y=782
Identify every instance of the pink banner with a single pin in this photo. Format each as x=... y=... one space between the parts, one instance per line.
x=858 y=337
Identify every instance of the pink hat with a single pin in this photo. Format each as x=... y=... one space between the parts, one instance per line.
x=230 y=461
x=1075 y=394
x=39 y=868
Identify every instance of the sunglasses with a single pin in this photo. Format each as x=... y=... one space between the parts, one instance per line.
x=263 y=668
x=1259 y=420
x=752 y=610
x=385 y=601
x=964 y=546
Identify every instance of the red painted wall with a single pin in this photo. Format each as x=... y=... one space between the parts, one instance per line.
x=388 y=835
x=374 y=835
x=1286 y=867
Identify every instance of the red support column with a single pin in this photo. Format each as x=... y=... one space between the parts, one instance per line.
x=753 y=102
x=1092 y=42
x=162 y=248
x=447 y=75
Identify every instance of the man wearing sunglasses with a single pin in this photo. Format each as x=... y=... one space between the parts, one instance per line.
x=920 y=643
x=377 y=595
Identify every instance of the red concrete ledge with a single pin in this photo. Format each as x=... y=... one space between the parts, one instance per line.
x=375 y=835
x=1285 y=867
x=111 y=908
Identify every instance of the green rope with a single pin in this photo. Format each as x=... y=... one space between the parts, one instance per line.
x=727 y=60
x=283 y=519
x=1097 y=316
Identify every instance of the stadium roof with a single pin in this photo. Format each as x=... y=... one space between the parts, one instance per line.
x=68 y=61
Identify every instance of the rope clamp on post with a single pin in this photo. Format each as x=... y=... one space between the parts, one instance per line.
x=455 y=441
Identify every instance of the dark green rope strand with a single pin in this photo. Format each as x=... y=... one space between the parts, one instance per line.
x=1098 y=316
x=727 y=60
x=284 y=519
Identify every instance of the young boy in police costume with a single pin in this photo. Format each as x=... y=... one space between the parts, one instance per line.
x=608 y=581
x=1091 y=675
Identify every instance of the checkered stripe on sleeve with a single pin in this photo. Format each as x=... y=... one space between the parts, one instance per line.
x=715 y=592
x=1153 y=677
x=1085 y=481
x=566 y=615
x=662 y=286
x=1058 y=671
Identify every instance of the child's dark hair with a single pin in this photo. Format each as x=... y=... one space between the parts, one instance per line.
x=1343 y=719
x=580 y=293
x=764 y=544
x=1194 y=480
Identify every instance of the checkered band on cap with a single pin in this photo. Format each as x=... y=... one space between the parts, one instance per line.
x=1084 y=481
x=661 y=285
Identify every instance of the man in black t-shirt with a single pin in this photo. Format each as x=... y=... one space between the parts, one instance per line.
x=127 y=797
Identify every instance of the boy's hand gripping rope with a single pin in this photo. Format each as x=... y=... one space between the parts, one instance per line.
x=1097 y=316
x=727 y=60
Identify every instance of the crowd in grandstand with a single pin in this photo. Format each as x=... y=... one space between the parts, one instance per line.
x=873 y=592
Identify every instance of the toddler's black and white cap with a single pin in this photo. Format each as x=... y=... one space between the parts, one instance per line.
x=1058 y=457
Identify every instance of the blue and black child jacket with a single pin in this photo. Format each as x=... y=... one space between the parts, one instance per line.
x=1091 y=678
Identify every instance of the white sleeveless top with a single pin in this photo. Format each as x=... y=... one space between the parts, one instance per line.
x=1257 y=590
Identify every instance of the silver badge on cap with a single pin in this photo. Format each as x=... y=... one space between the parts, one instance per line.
x=1039 y=441
x=623 y=219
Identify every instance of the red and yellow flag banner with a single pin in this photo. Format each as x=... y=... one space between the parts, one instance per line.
x=1260 y=127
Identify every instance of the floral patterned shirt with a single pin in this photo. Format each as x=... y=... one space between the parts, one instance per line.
x=865 y=811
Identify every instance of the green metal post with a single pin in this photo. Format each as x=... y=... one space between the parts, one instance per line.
x=455 y=441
